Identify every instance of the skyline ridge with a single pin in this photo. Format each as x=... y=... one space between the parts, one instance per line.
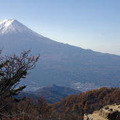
x=17 y=26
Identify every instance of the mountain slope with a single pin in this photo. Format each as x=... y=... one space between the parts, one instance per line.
x=60 y=64
x=77 y=105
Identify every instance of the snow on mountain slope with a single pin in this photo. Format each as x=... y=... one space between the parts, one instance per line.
x=14 y=36
x=9 y=26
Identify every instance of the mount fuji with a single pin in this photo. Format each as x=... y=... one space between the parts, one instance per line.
x=60 y=64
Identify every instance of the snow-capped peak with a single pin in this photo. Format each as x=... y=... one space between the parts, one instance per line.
x=11 y=25
x=7 y=22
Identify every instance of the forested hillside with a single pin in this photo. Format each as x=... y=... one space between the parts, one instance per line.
x=71 y=108
x=77 y=105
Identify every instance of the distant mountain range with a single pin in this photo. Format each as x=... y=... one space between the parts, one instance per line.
x=51 y=94
x=60 y=64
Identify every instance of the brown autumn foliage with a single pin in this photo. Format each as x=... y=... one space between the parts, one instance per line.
x=71 y=108
x=87 y=102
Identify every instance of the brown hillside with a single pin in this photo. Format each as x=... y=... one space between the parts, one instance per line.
x=76 y=105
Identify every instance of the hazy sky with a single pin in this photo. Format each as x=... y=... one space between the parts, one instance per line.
x=91 y=24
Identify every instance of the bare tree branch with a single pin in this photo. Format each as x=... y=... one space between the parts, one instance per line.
x=12 y=70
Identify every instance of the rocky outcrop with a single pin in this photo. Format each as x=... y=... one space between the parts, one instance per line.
x=110 y=112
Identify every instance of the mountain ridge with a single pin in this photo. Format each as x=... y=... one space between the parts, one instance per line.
x=8 y=22
x=51 y=94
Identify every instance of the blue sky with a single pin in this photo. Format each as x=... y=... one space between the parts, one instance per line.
x=90 y=24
